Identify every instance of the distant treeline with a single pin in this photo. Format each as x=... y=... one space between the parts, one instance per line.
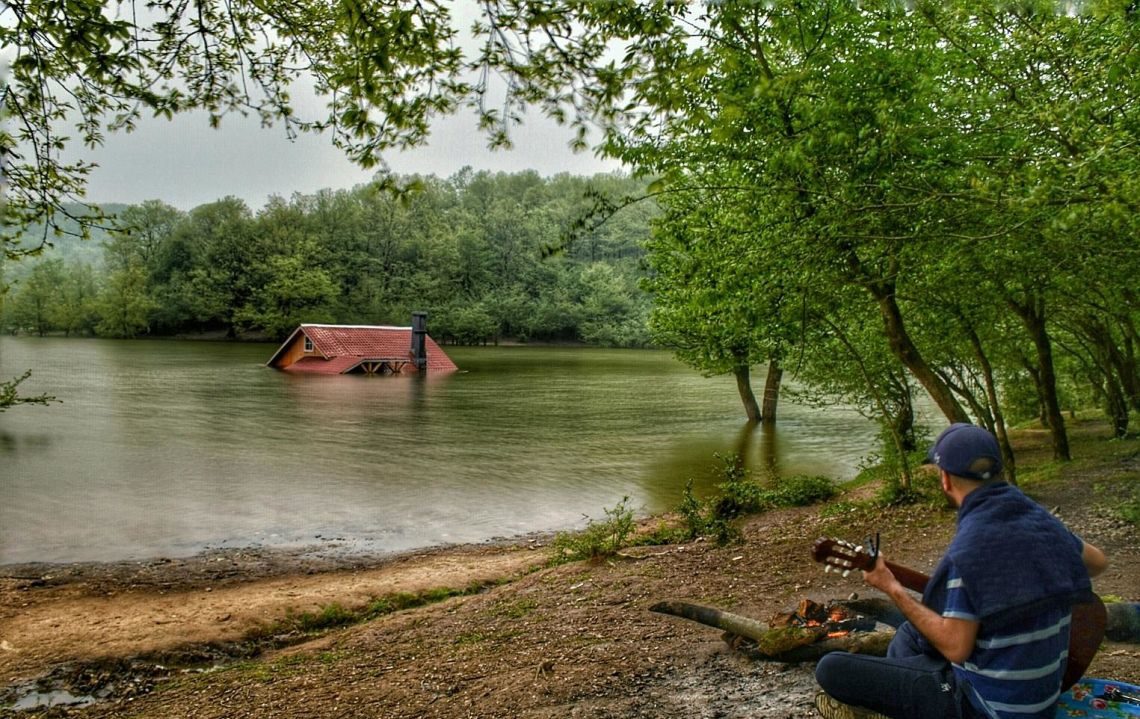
x=488 y=256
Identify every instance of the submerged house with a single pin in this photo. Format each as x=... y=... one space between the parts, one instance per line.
x=362 y=349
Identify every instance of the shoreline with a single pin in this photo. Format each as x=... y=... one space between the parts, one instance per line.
x=240 y=563
x=489 y=629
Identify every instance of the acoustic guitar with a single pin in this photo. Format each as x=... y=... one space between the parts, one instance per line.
x=1085 y=633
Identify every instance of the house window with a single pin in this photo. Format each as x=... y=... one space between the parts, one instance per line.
x=308 y=345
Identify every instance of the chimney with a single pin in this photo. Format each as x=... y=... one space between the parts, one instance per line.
x=419 y=344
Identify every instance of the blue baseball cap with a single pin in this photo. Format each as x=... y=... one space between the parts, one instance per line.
x=966 y=450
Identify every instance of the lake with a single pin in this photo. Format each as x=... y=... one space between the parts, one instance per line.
x=166 y=448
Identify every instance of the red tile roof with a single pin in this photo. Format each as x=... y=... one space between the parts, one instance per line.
x=342 y=347
x=342 y=340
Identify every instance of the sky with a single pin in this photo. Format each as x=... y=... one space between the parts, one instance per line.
x=186 y=163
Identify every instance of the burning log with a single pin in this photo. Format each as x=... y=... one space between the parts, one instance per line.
x=803 y=635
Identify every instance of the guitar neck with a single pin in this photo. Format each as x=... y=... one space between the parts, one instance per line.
x=911 y=579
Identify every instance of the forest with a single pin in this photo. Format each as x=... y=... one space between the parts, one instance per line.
x=490 y=257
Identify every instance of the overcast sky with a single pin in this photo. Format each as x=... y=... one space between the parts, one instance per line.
x=185 y=163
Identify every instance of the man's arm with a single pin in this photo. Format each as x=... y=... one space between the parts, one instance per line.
x=1094 y=559
x=953 y=638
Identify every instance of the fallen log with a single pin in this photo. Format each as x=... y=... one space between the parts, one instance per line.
x=1123 y=622
x=788 y=643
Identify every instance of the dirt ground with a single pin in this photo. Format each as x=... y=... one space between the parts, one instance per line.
x=194 y=637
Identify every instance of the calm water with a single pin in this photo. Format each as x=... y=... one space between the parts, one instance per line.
x=166 y=448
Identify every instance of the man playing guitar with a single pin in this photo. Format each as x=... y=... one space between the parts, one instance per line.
x=990 y=637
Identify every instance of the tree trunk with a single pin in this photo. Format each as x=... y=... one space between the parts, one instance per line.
x=1117 y=407
x=744 y=387
x=771 y=392
x=1130 y=370
x=1032 y=314
x=1035 y=374
x=1007 y=458
x=903 y=416
x=1112 y=367
x=883 y=291
x=904 y=349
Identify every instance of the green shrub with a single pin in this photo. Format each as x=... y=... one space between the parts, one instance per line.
x=600 y=539
x=799 y=491
x=739 y=496
x=693 y=513
x=705 y=519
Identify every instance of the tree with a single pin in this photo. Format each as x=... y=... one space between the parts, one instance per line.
x=983 y=142
x=124 y=304
x=142 y=231
x=224 y=252
x=34 y=304
x=297 y=291
x=721 y=301
x=76 y=304
x=611 y=315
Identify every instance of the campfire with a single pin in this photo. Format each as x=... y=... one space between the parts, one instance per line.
x=833 y=619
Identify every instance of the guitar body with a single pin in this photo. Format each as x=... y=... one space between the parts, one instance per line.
x=1085 y=635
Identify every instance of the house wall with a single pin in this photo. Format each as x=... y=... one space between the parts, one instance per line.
x=294 y=352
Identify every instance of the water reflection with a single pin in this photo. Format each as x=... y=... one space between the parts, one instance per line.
x=167 y=447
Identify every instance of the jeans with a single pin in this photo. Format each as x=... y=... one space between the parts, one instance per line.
x=905 y=684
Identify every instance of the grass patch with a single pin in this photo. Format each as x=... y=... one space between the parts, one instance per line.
x=799 y=491
x=1130 y=511
x=327 y=617
x=663 y=533
x=470 y=638
x=1046 y=473
x=517 y=609
x=925 y=488
x=839 y=509
x=711 y=517
x=399 y=601
x=335 y=615
x=1122 y=495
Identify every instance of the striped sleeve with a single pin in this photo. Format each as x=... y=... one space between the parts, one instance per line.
x=958 y=604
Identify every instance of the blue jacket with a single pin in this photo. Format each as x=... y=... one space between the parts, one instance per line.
x=1014 y=555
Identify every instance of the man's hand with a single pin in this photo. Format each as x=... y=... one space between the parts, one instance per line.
x=954 y=638
x=880 y=577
